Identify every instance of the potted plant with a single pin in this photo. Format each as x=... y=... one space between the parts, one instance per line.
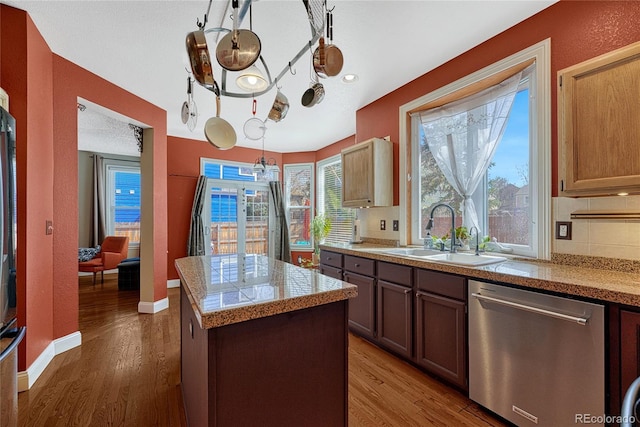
x=319 y=230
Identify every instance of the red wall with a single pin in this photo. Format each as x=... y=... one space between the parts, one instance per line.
x=71 y=82
x=43 y=90
x=579 y=30
x=27 y=78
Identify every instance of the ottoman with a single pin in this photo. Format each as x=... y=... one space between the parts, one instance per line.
x=129 y=274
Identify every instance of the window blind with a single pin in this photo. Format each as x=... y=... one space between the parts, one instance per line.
x=330 y=200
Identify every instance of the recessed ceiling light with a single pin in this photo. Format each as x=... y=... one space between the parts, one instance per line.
x=349 y=78
x=623 y=194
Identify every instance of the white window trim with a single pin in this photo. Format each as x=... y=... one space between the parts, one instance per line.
x=312 y=191
x=541 y=53
x=320 y=165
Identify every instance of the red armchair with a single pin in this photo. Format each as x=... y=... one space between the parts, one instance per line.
x=112 y=251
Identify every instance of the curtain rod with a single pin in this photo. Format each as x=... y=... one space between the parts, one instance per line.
x=112 y=158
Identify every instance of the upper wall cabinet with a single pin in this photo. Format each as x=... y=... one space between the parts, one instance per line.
x=599 y=125
x=367 y=173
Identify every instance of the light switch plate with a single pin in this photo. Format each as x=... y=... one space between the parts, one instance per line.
x=396 y=225
x=383 y=224
x=563 y=230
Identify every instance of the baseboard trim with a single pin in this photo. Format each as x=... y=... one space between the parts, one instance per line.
x=27 y=378
x=153 y=307
x=67 y=342
x=173 y=283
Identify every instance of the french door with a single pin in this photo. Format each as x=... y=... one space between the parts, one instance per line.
x=237 y=218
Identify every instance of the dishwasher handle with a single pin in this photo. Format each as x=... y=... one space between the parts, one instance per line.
x=579 y=320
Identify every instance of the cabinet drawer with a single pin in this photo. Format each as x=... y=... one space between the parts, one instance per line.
x=336 y=273
x=360 y=265
x=331 y=258
x=444 y=284
x=394 y=273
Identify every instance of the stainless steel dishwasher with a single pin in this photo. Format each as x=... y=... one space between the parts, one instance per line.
x=536 y=359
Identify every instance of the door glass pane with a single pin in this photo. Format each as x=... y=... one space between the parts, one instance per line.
x=224 y=220
x=257 y=222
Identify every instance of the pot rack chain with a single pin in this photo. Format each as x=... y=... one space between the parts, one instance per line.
x=315 y=12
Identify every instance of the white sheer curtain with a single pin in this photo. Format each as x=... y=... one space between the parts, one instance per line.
x=463 y=136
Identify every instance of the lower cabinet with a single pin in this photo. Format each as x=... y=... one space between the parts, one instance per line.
x=441 y=326
x=624 y=345
x=361 y=309
x=395 y=308
x=430 y=332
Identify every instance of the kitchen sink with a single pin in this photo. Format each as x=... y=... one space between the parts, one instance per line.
x=413 y=252
x=471 y=260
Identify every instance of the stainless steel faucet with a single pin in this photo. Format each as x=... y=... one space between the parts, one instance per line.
x=454 y=245
x=477 y=237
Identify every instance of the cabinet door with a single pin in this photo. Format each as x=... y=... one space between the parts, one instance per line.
x=597 y=122
x=194 y=363
x=357 y=174
x=629 y=349
x=394 y=318
x=362 y=307
x=441 y=337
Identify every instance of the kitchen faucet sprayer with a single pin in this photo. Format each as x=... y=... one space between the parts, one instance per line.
x=477 y=238
x=453 y=224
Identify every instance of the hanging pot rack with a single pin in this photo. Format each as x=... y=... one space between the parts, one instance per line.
x=316 y=32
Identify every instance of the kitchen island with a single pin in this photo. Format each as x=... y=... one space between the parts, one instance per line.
x=262 y=343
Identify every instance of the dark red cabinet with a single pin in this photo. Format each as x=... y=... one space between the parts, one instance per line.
x=395 y=308
x=394 y=318
x=362 y=308
x=441 y=325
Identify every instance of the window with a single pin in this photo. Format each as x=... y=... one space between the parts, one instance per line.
x=123 y=190
x=329 y=193
x=298 y=183
x=512 y=200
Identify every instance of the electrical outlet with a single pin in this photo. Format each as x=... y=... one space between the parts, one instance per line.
x=563 y=230
x=383 y=224
x=396 y=225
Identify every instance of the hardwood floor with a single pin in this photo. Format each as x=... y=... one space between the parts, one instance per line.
x=127 y=373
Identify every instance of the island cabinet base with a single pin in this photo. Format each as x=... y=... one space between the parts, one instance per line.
x=288 y=369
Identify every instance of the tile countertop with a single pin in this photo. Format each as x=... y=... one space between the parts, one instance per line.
x=227 y=289
x=605 y=285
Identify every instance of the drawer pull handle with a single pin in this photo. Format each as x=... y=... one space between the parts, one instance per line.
x=357 y=265
x=406 y=291
x=329 y=258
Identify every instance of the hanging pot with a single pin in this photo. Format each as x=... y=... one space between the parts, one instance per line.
x=238 y=49
x=280 y=108
x=217 y=130
x=200 y=59
x=327 y=58
x=314 y=95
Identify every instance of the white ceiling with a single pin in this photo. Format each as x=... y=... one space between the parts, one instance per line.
x=140 y=46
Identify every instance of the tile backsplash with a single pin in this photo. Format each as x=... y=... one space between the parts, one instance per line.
x=609 y=238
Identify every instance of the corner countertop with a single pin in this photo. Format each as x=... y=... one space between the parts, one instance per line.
x=596 y=283
x=227 y=289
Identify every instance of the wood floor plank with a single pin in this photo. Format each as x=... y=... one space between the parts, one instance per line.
x=127 y=373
